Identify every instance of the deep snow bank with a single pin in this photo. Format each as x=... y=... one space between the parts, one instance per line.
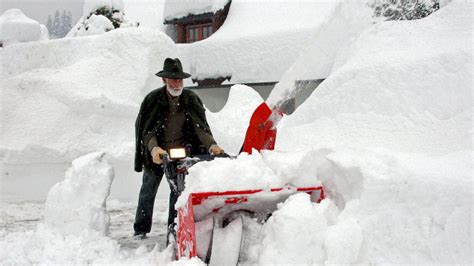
x=67 y=97
x=389 y=135
x=16 y=27
x=75 y=224
x=393 y=123
x=258 y=41
x=230 y=124
x=77 y=204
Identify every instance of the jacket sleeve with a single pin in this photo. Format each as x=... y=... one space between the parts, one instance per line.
x=138 y=137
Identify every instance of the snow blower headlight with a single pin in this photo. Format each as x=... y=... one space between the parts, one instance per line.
x=177 y=153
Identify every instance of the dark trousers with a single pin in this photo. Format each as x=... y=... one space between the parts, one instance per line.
x=146 y=200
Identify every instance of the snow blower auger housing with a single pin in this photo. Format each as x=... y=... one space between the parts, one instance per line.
x=203 y=223
x=201 y=206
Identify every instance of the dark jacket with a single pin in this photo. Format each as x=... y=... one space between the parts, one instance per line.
x=150 y=120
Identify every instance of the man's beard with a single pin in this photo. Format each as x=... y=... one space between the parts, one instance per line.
x=173 y=92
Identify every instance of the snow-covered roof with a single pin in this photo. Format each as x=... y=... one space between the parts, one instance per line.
x=175 y=9
x=15 y=26
x=259 y=40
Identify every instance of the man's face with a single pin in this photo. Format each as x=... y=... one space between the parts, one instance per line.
x=174 y=86
x=173 y=83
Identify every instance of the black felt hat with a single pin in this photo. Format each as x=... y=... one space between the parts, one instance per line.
x=173 y=69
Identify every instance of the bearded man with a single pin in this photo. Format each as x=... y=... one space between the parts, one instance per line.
x=169 y=117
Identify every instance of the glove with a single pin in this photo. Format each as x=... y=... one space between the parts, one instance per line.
x=215 y=149
x=156 y=154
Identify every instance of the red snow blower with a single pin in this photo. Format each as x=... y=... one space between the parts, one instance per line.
x=210 y=225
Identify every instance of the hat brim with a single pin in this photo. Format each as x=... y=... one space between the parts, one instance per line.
x=173 y=75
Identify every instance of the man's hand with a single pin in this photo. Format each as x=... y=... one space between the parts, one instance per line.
x=215 y=149
x=156 y=154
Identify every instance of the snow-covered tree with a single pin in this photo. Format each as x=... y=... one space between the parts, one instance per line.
x=49 y=24
x=60 y=25
x=66 y=22
x=101 y=16
x=55 y=31
x=403 y=9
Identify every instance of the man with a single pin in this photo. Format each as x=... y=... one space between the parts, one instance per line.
x=169 y=117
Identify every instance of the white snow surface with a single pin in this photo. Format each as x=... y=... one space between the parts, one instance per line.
x=78 y=94
x=388 y=134
x=92 y=5
x=149 y=13
x=240 y=105
x=181 y=8
x=94 y=24
x=77 y=204
x=15 y=26
x=261 y=39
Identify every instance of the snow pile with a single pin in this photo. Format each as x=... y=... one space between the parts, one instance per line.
x=99 y=17
x=389 y=134
x=230 y=124
x=148 y=13
x=16 y=27
x=394 y=124
x=318 y=59
x=296 y=232
x=93 y=109
x=269 y=38
x=75 y=224
x=401 y=86
x=223 y=174
x=77 y=204
x=46 y=246
x=65 y=98
x=181 y=8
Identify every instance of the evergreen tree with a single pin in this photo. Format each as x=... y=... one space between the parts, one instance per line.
x=56 y=32
x=404 y=9
x=66 y=23
x=49 y=24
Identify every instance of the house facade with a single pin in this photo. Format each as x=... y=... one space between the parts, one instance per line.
x=199 y=25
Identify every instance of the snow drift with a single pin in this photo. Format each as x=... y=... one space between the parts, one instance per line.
x=389 y=134
x=16 y=27
x=258 y=41
x=78 y=94
x=77 y=204
x=395 y=121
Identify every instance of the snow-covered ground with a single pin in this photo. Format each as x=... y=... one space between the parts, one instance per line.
x=388 y=134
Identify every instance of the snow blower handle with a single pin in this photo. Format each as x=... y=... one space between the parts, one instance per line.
x=170 y=172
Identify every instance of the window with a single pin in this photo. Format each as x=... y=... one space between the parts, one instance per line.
x=206 y=31
x=192 y=33
x=198 y=32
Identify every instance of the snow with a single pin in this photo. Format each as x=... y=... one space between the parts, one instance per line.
x=388 y=134
x=240 y=105
x=77 y=204
x=44 y=33
x=296 y=244
x=149 y=13
x=259 y=40
x=92 y=24
x=16 y=27
x=394 y=119
x=74 y=89
x=178 y=9
x=92 y=5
